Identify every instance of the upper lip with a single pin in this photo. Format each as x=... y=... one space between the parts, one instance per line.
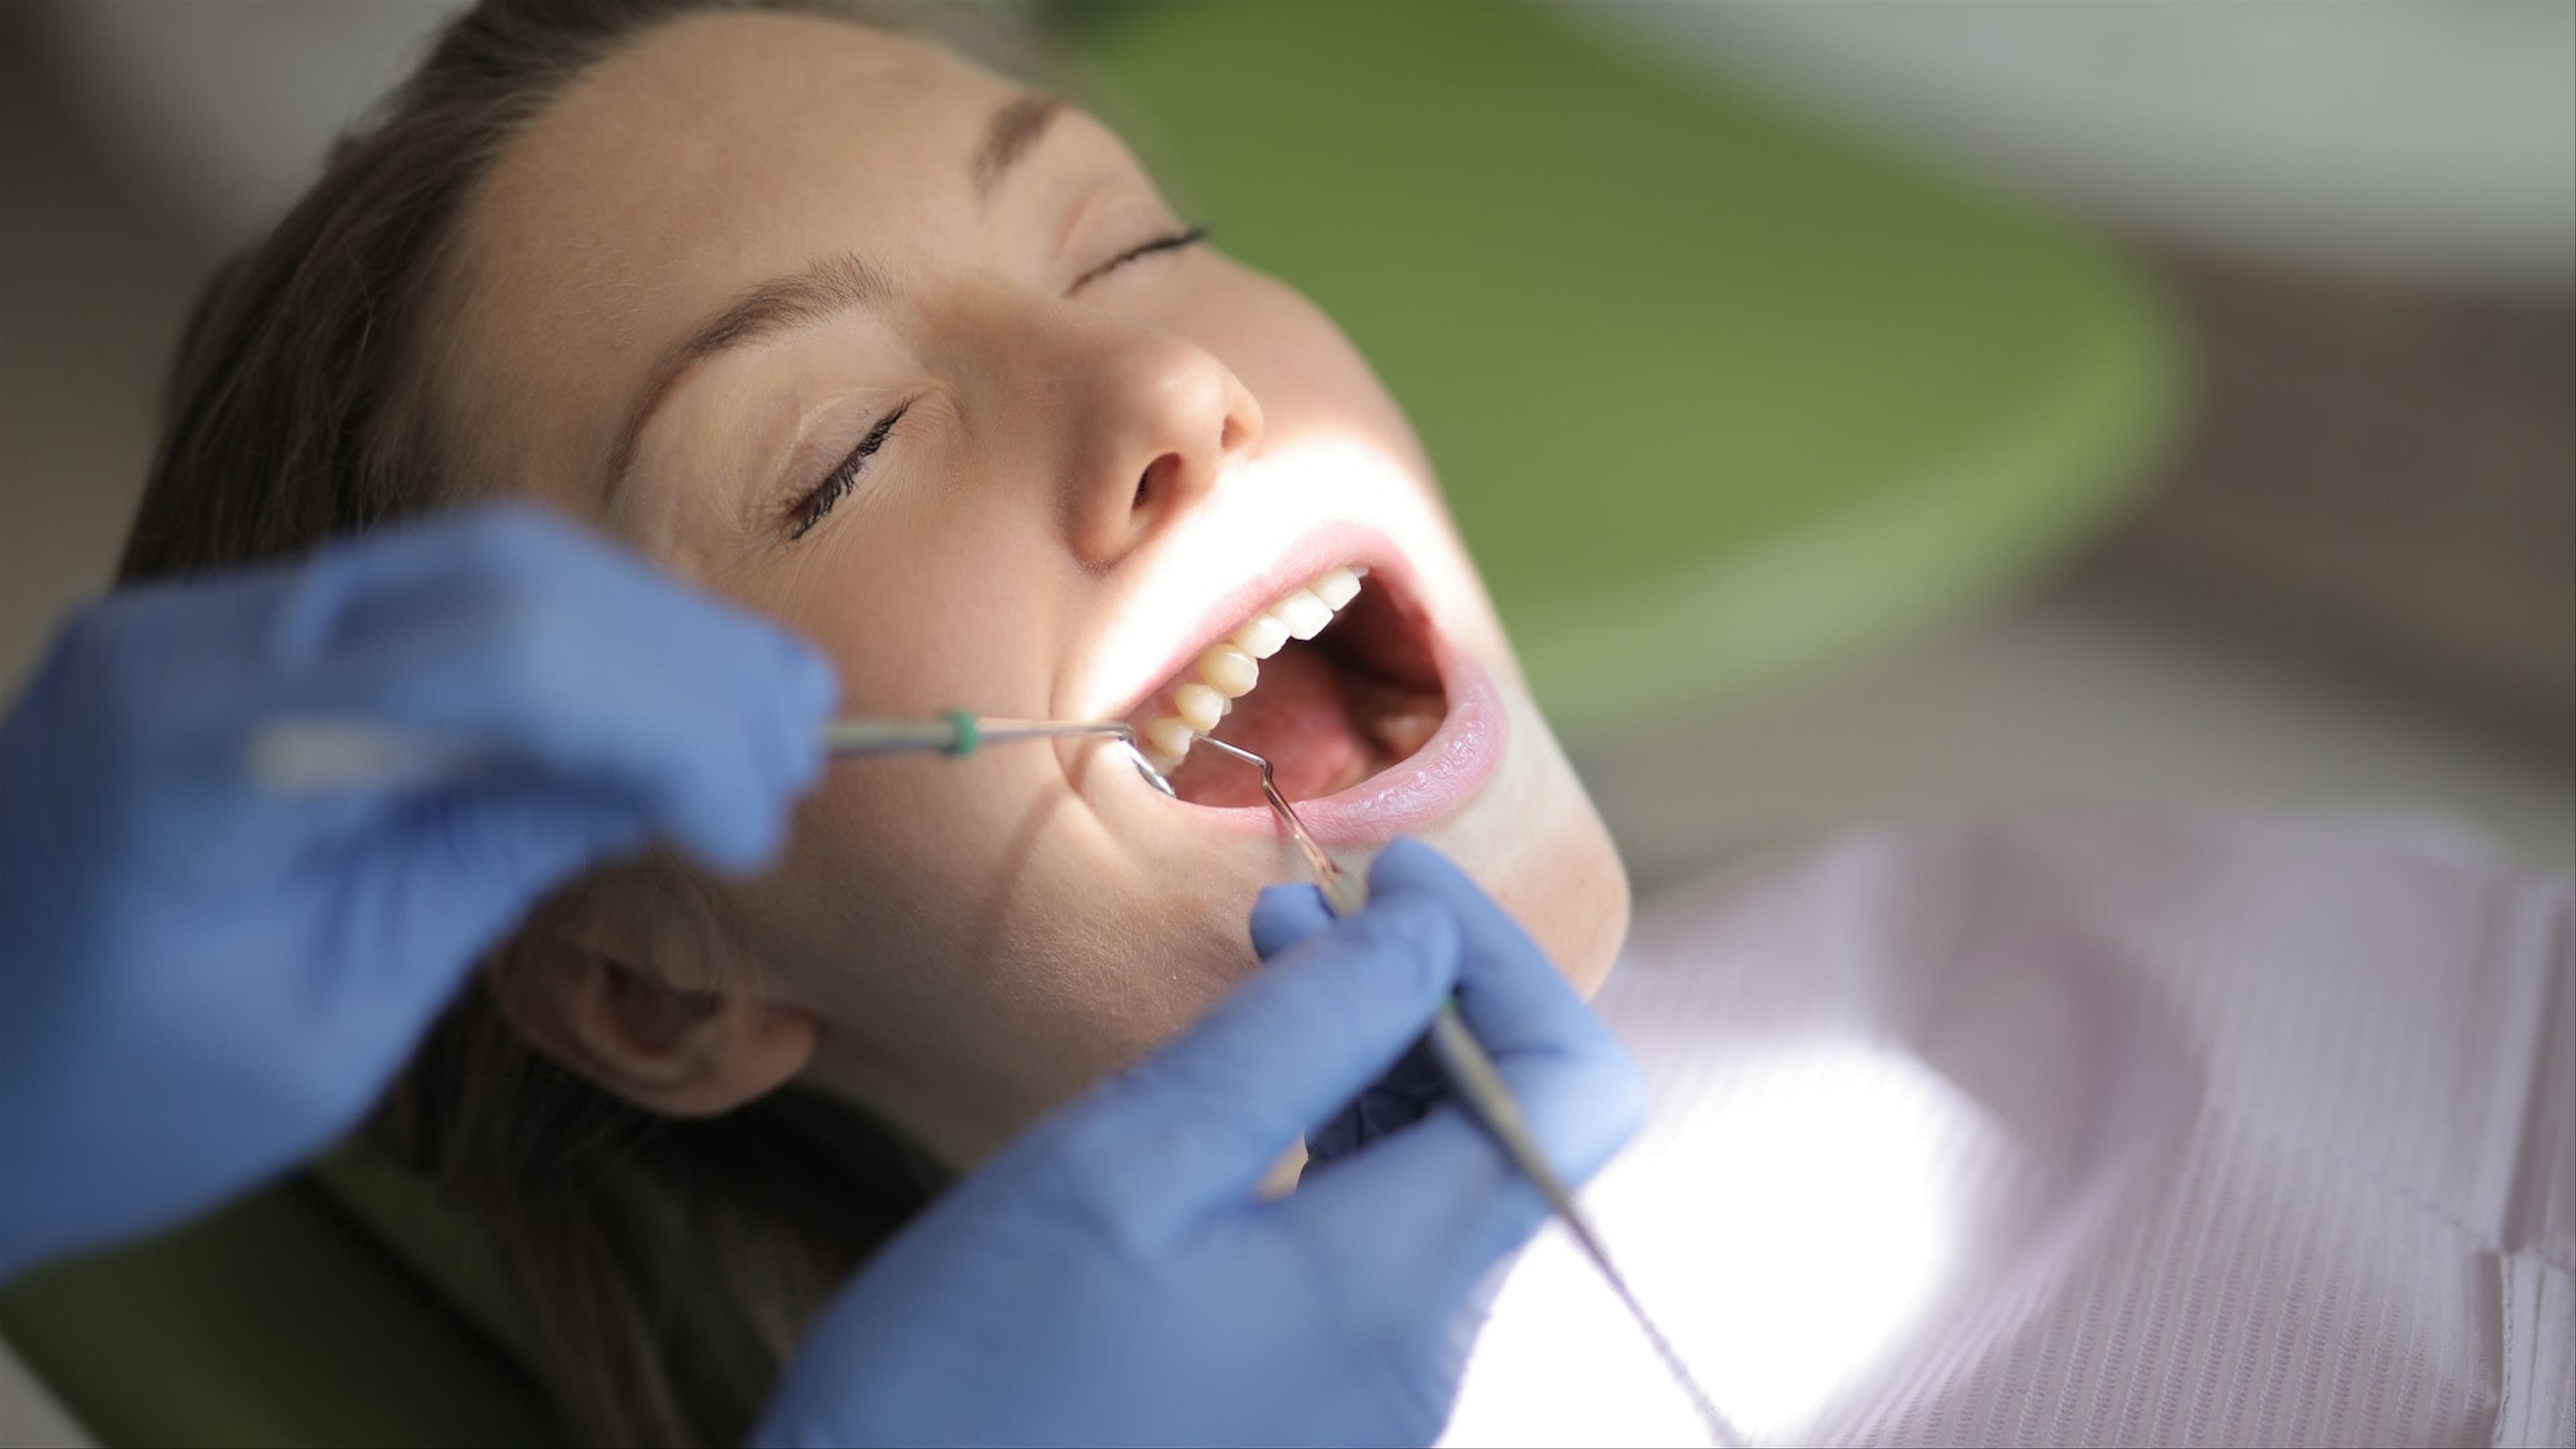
x=1319 y=551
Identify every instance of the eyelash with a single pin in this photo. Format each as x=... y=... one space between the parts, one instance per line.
x=811 y=509
x=1177 y=240
x=818 y=503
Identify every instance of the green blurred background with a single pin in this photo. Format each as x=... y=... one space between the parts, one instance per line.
x=1711 y=391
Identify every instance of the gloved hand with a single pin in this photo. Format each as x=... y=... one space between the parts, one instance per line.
x=1287 y=915
x=202 y=980
x=1110 y=1277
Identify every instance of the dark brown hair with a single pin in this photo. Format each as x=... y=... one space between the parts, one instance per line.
x=664 y=1267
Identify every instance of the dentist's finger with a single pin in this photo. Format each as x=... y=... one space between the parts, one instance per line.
x=1286 y=915
x=520 y=646
x=555 y=575
x=1216 y=1107
x=535 y=697
x=1427 y=1210
x=1510 y=992
x=461 y=871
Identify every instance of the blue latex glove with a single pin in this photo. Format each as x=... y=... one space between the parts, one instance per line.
x=1288 y=915
x=202 y=981
x=1110 y=1277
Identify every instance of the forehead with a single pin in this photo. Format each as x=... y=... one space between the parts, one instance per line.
x=710 y=154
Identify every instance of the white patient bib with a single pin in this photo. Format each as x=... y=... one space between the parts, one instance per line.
x=2109 y=1128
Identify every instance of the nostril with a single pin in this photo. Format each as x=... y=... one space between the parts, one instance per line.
x=1155 y=480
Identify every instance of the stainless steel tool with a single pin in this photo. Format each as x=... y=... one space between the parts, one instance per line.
x=1488 y=1098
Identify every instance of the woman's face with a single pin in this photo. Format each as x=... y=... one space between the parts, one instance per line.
x=923 y=365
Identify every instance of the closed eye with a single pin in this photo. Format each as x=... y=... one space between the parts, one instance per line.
x=1174 y=242
x=819 y=501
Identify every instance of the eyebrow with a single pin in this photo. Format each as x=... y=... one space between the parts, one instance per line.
x=1014 y=130
x=827 y=289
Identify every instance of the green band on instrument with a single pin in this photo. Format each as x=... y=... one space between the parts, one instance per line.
x=967 y=735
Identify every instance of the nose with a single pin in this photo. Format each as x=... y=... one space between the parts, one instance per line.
x=1165 y=420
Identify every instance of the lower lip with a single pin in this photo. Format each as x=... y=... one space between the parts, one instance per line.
x=1425 y=786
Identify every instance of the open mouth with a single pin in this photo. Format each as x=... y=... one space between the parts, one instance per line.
x=1334 y=683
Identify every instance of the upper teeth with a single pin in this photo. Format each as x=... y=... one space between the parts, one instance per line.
x=1229 y=670
x=1304 y=612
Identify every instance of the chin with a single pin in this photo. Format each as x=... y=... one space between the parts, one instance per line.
x=1543 y=852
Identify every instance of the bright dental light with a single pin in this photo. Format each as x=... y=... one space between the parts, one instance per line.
x=1818 y=1224
x=1788 y=1226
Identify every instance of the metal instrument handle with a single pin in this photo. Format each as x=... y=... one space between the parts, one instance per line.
x=890 y=736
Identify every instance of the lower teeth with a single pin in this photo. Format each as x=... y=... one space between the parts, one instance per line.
x=1398 y=718
x=1403 y=735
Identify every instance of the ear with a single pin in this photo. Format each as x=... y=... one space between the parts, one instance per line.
x=601 y=990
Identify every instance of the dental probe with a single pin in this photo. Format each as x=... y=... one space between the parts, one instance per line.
x=299 y=756
x=1488 y=1099
x=957 y=732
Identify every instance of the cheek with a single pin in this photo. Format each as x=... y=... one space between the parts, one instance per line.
x=1534 y=841
x=909 y=900
x=954 y=613
x=1572 y=897
x=968 y=935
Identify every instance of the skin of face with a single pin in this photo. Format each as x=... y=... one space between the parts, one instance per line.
x=1087 y=460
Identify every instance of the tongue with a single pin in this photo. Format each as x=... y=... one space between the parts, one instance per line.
x=1299 y=719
